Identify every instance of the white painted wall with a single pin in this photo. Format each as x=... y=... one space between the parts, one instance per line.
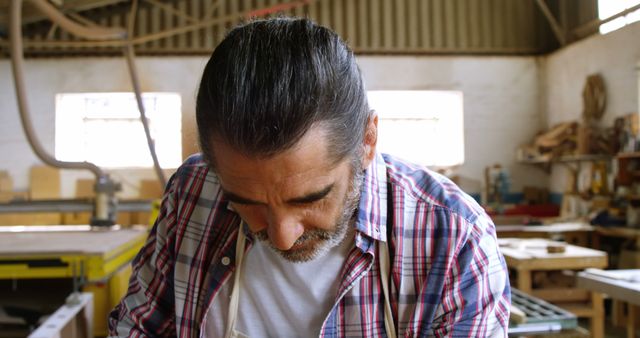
x=615 y=56
x=501 y=102
x=47 y=77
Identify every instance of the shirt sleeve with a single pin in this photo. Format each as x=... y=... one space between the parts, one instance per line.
x=147 y=309
x=476 y=297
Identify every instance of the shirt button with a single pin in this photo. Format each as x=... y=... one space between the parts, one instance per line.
x=225 y=261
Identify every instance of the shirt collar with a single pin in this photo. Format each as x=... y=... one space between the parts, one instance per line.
x=372 y=209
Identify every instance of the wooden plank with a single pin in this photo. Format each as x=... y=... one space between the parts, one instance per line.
x=44 y=183
x=562 y=294
x=531 y=254
x=6 y=183
x=73 y=320
x=84 y=188
x=523 y=282
x=150 y=189
x=18 y=244
x=8 y=196
x=579 y=309
x=615 y=288
x=39 y=218
x=516 y=315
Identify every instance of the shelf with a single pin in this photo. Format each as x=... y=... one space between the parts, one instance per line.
x=569 y=159
x=629 y=155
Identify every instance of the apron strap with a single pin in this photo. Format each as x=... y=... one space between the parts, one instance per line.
x=383 y=252
x=235 y=293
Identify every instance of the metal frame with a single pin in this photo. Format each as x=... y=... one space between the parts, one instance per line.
x=72 y=320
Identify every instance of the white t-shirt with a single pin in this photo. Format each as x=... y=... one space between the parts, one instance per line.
x=279 y=298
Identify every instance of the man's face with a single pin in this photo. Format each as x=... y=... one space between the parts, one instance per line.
x=298 y=200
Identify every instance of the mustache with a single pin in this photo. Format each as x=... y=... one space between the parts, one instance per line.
x=312 y=234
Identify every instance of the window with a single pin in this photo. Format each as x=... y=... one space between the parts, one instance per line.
x=425 y=127
x=607 y=8
x=105 y=129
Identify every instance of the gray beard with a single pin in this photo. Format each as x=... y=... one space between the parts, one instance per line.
x=326 y=239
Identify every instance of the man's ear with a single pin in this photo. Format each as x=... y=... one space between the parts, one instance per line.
x=370 y=140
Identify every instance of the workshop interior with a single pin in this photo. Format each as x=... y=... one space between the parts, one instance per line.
x=529 y=106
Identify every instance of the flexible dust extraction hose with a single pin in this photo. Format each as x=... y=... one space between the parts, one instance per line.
x=105 y=188
x=89 y=33
x=104 y=213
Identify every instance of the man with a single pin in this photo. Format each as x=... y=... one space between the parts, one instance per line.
x=291 y=225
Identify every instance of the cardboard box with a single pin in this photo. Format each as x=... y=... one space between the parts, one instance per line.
x=150 y=189
x=44 y=183
x=6 y=183
x=84 y=188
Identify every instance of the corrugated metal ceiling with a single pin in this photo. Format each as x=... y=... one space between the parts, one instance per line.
x=170 y=27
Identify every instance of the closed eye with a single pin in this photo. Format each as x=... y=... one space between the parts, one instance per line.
x=312 y=197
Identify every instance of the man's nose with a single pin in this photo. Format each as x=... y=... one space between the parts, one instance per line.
x=283 y=229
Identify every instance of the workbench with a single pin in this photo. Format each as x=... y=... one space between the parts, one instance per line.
x=526 y=256
x=622 y=285
x=97 y=261
x=576 y=233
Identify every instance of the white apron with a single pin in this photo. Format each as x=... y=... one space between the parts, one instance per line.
x=383 y=252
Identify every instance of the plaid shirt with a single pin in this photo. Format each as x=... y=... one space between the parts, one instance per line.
x=448 y=278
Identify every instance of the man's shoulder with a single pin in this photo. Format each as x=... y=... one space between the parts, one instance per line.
x=193 y=167
x=430 y=189
x=195 y=176
x=194 y=162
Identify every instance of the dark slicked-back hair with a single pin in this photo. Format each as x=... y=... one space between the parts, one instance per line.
x=270 y=81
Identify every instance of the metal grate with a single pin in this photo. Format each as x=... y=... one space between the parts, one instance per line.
x=541 y=315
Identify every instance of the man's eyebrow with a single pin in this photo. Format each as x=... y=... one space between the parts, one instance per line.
x=232 y=197
x=312 y=197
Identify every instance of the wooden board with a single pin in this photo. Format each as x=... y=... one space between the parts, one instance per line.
x=550 y=228
x=150 y=189
x=531 y=254
x=84 y=188
x=36 y=218
x=80 y=242
x=627 y=290
x=6 y=183
x=44 y=183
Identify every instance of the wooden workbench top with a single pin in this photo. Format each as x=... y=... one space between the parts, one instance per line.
x=99 y=242
x=547 y=228
x=619 y=284
x=532 y=254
